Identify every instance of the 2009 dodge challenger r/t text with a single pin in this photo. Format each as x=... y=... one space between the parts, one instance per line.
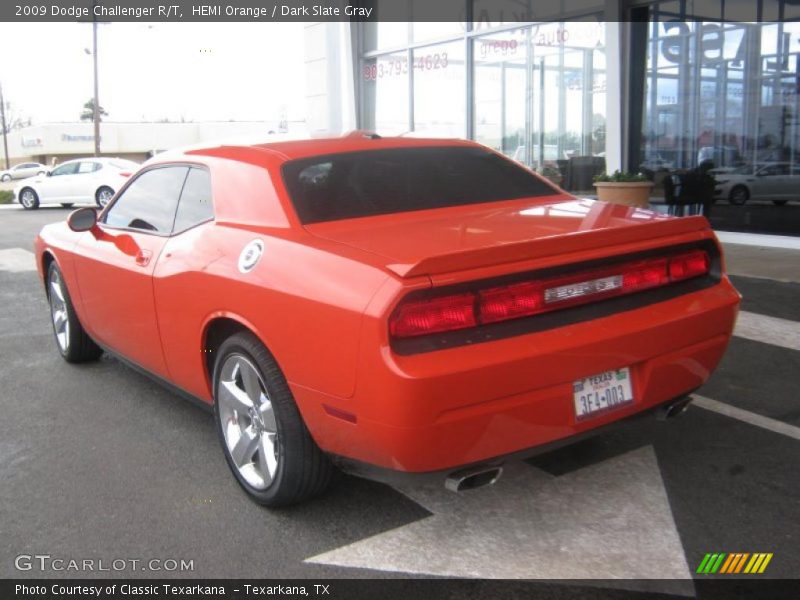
x=389 y=306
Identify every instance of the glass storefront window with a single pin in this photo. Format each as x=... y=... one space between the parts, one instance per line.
x=422 y=31
x=384 y=85
x=568 y=64
x=540 y=95
x=440 y=90
x=722 y=97
x=724 y=94
x=501 y=73
x=487 y=14
x=384 y=35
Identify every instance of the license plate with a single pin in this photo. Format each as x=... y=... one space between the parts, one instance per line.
x=602 y=393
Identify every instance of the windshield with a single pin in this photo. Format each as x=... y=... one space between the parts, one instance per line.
x=360 y=184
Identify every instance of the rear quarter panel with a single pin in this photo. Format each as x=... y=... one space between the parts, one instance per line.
x=304 y=301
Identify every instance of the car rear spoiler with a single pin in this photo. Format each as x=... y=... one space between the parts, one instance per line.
x=549 y=246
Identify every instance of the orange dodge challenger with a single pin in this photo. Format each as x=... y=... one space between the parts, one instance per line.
x=390 y=306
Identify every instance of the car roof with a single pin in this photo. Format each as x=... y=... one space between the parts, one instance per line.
x=103 y=159
x=294 y=149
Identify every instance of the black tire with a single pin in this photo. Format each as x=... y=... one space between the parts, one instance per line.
x=5 y=177
x=67 y=204
x=79 y=346
x=779 y=202
x=101 y=193
x=28 y=198
x=739 y=195
x=303 y=470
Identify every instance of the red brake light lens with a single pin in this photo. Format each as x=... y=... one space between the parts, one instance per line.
x=646 y=275
x=510 y=302
x=517 y=300
x=691 y=264
x=434 y=315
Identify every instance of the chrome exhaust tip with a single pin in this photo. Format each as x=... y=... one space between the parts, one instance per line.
x=472 y=478
x=673 y=409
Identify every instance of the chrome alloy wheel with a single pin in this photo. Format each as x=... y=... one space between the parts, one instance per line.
x=248 y=421
x=27 y=198
x=104 y=196
x=58 y=310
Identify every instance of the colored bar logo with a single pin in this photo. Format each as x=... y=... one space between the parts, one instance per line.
x=734 y=563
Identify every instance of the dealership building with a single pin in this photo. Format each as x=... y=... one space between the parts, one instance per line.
x=658 y=86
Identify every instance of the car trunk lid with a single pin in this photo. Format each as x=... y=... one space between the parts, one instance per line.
x=459 y=238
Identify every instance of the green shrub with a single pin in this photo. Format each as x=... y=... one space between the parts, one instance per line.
x=620 y=177
x=6 y=196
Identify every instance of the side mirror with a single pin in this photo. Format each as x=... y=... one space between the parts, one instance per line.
x=82 y=219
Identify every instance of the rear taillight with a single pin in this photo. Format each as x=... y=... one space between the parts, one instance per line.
x=510 y=302
x=434 y=315
x=689 y=265
x=528 y=298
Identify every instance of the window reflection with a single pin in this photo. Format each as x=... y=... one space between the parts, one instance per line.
x=723 y=98
x=439 y=90
x=385 y=88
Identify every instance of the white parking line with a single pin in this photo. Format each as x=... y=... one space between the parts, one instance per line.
x=756 y=239
x=610 y=520
x=17 y=260
x=770 y=330
x=747 y=417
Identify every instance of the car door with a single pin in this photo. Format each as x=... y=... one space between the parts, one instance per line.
x=25 y=170
x=58 y=186
x=783 y=186
x=85 y=181
x=768 y=182
x=115 y=268
x=179 y=279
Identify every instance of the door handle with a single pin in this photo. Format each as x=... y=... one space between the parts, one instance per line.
x=143 y=257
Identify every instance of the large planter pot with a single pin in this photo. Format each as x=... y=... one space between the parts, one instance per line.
x=629 y=193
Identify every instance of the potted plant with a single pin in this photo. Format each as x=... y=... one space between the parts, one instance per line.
x=630 y=189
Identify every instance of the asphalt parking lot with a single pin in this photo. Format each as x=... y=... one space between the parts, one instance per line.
x=97 y=461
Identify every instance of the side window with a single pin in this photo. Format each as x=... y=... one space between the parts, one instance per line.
x=67 y=169
x=195 y=205
x=150 y=201
x=86 y=167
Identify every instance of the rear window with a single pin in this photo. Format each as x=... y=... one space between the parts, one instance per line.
x=377 y=182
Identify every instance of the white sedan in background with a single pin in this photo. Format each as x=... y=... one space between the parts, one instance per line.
x=776 y=181
x=81 y=180
x=23 y=170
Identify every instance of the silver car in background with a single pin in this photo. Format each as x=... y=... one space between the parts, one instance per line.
x=775 y=181
x=23 y=171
